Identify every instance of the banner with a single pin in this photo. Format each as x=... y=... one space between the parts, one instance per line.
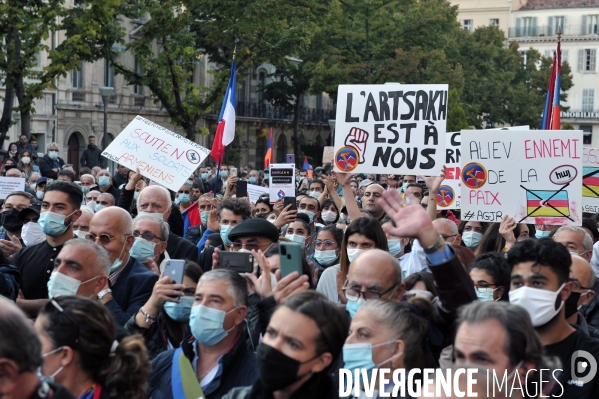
x=10 y=184
x=159 y=154
x=533 y=176
x=390 y=129
x=327 y=154
x=281 y=181
x=590 y=179
x=254 y=192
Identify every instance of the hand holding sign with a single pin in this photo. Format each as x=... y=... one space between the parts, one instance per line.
x=357 y=139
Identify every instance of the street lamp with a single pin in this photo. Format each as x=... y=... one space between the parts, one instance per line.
x=332 y=126
x=105 y=92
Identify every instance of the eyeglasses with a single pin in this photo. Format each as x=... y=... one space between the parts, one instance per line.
x=327 y=243
x=184 y=192
x=577 y=286
x=482 y=288
x=104 y=238
x=236 y=246
x=353 y=294
x=447 y=237
x=146 y=235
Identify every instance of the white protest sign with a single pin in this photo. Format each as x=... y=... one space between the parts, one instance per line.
x=159 y=154
x=449 y=194
x=327 y=154
x=10 y=184
x=390 y=129
x=254 y=192
x=590 y=179
x=281 y=181
x=534 y=176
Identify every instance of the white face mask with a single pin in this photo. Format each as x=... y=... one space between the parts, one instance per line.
x=540 y=304
x=328 y=216
x=32 y=234
x=352 y=253
x=80 y=233
x=301 y=240
x=61 y=284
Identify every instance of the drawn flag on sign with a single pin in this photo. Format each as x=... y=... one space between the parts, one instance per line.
x=590 y=182
x=547 y=203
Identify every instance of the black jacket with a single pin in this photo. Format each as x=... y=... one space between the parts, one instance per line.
x=92 y=157
x=194 y=234
x=10 y=282
x=155 y=336
x=238 y=369
x=590 y=312
x=179 y=248
x=115 y=192
x=46 y=165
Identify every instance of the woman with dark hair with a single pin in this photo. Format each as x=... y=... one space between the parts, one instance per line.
x=300 y=233
x=170 y=305
x=303 y=338
x=472 y=233
x=329 y=213
x=499 y=237
x=263 y=206
x=13 y=152
x=420 y=284
x=327 y=249
x=490 y=274
x=26 y=164
x=81 y=352
x=361 y=235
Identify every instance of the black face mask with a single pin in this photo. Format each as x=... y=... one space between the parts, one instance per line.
x=571 y=305
x=276 y=369
x=10 y=222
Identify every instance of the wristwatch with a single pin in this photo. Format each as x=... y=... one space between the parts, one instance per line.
x=103 y=293
x=435 y=247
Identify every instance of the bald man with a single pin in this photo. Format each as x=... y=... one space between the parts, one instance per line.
x=129 y=283
x=449 y=231
x=104 y=200
x=583 y=279
x=370 y=201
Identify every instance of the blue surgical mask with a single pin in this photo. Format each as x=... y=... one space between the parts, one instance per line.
x=224 y=234
x=179 y=311
x=266 y=176
x=252 y=180
x=204 y=217
x=542 y=233
x=310 y=214
x=61 y=284
x=52 y=224
x=142 y=249
x=394 y=246
x=224 y=174
x=117 y=262
x=471 y=238
x=359 y=356
x=353 y=306
x=206 y=325
x=99 y=207
x=184 y=198
x=53 y=154
x=39 y=195
x=301 y=240
x=104 y=181
x=177 y=201
x=204 y=176
x=85 y=189
x=325 y=258
x=485 y=294
x=136 y=195
x=315 y=194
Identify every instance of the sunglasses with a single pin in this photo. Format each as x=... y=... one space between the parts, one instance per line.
x=184 y=192
x=146 y=235
x=104 y=238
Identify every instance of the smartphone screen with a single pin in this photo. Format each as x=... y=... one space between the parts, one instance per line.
x=242 y=189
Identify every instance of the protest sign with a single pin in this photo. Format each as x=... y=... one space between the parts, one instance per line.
x=327 y=154
x=590 y=179
x=10 y=184
x=254 y=192
x=534 y=176
x=449 y=194
x=281 y=181
x=390 y=129
x=158 y=153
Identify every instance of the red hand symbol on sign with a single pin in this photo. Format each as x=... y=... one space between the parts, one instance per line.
x=357 y=139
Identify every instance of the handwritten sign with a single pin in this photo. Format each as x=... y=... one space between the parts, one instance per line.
x=10 y=184
x=159 y=154
x=327 y=154
x=254 y=192
x=590 y=179
x=533 y=176
x=390 y=129
x=281 y=181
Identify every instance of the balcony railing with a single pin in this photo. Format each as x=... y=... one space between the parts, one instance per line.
x=540 y=31
x=267 y=111
x=579 y=114
x=78 y=96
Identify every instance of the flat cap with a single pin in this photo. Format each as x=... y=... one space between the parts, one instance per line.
x=255 y=227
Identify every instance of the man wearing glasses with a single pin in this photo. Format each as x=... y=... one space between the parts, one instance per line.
x=206 y=203
x=583 y=279
x=151 y=236
x=129 y=283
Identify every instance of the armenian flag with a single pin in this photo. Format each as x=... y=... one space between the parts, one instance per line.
x=548 y=203
x=191 y=217
x=306 y=165
x=590 y=182
x=268 y=158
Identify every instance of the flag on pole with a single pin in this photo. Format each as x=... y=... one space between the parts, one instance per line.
x=225 y=131
x=306 y=165
x=555 y=115
x=549 y=99
x=269 y=155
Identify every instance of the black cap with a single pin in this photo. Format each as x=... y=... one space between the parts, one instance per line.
x=35 y=207
x=41 y=180
x=255 y=227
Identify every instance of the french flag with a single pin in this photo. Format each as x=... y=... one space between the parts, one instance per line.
x=225 y=131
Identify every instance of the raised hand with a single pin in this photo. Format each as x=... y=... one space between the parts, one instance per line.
x=506 y=229
x=213 y=221
x=357 y=138
x=434 y=182
x=262 y=285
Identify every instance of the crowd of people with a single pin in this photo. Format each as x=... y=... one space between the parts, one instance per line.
x=387 y=281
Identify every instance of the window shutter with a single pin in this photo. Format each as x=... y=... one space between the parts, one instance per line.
x=550 y=27
x=518 y=27
x=534 y=26
x=580 y=60
x=584 y=25
x=593 y=56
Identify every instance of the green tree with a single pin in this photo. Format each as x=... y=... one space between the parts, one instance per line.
x=456 y=116
x=89 y=30
x=178 y=33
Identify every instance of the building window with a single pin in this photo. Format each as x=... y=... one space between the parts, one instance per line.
x=554 y=24
x=564 y=56
x=138 y=89
x=494 y=22
x=77 y=77
x=108 y=74
x=529 y=26
x=588 y=100
x=468 y=25
x=586 y=60
x=524 y=57
x=587 y=134
x=590 y=24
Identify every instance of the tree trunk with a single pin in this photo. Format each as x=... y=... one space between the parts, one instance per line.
x=25 y=111
x=6 y=121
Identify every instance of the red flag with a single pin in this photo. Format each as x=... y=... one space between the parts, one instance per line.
x=268 y=158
